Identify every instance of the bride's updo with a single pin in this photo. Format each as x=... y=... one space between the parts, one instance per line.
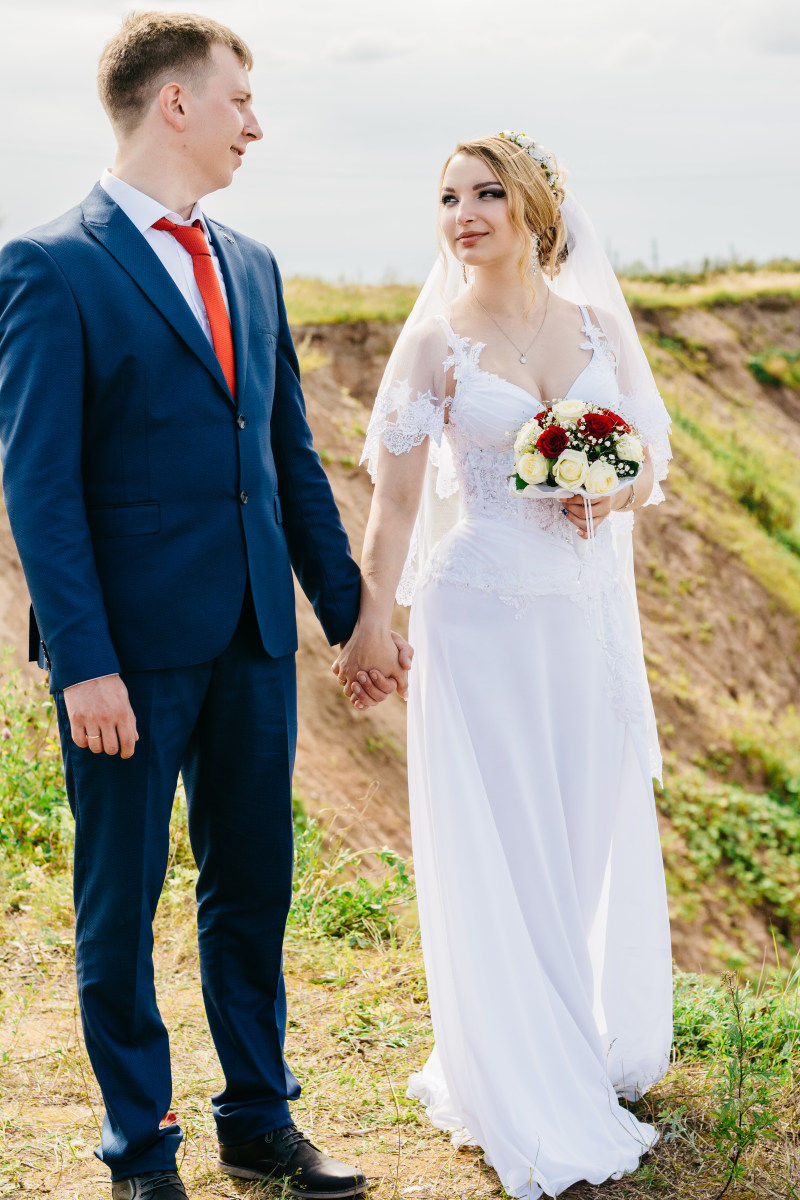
x=534 y=207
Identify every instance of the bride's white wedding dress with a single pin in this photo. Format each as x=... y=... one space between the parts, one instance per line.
x=536 y=849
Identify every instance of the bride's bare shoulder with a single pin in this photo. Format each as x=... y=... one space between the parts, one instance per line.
x=428 y=338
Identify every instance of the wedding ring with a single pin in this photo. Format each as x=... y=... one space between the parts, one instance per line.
x=93 y=736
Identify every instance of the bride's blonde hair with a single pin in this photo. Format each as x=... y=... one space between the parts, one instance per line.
x=533 y=206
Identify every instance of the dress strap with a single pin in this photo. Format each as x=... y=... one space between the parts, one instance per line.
x=464 y=354
x=597 y=338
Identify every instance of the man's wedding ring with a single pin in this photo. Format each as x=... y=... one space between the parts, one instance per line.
x=93 y=736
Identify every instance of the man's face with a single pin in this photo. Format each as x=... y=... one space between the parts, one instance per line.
x=219 y=120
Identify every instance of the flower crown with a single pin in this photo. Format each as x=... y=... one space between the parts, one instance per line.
x=538 y=153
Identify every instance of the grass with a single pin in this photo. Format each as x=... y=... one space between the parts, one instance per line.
x=312 y=301
x=739 y=480
x=710 y=296
x=776 y=367
x=315 y=302
x=728 y=1111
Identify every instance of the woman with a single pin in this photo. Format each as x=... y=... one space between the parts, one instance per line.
x=536 y=850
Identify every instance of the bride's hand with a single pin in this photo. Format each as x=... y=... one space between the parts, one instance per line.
x=373 y=664
x=601 y=507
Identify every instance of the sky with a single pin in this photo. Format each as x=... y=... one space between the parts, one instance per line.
x=677 y=121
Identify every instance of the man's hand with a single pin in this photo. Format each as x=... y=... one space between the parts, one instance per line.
x=100 y=716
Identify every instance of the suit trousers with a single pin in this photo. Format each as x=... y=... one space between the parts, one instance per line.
x=229 y=726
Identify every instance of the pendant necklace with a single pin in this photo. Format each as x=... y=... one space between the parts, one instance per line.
x=522 y=353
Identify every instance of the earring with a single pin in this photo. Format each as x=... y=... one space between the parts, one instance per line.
x=464 y=272
x=535 y=246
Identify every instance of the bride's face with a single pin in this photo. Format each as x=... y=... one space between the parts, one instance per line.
x=474 y=215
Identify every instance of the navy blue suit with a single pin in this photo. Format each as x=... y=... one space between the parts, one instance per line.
x=158 y=519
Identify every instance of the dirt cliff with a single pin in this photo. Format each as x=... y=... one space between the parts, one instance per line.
x=720 y=623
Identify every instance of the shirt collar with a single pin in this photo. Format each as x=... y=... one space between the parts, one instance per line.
x=143 y=210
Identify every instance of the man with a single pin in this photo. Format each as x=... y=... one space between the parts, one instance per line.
x=161 y=485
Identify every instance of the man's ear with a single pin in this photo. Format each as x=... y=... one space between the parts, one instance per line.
x=171 y=100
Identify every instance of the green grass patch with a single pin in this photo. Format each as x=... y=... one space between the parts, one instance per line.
x=335 y=897
x=709 y=297
x=775 y=367
x=315 y=302
x=741 y=484
x=748 y=839
x=35 y=822
x=312 y=301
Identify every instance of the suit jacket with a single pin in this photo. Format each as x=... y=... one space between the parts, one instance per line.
x=141 y=494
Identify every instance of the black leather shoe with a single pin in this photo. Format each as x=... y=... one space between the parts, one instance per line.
x=152 y=1185
x=287 y=1156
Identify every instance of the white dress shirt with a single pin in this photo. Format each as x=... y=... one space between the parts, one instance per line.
x=144 y=211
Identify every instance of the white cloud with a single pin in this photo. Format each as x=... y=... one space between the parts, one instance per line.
x=636 y=49
x=772 y=26
x=371 y=45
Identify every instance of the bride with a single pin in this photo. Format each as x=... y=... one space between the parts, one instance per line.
x=531 y=740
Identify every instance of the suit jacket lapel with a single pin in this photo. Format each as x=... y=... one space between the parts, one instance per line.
x=235 y=274
x=106 y=222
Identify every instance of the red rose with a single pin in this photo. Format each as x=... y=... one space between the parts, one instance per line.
x=597 y=425
x=552 y=441
x=618 y=421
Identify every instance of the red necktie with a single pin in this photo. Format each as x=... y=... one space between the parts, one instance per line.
x=192 y=238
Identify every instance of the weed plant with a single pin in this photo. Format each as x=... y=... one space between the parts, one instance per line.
x=334 y=898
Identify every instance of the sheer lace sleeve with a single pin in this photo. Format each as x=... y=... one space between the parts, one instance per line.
x=410 y=410
x=411 y=402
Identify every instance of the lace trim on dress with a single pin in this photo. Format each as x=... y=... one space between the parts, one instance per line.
x=402 y=419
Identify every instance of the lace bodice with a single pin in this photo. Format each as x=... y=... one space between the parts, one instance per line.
x=484 y=416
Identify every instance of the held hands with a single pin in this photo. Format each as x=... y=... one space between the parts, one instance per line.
x=373 y=665
x=100 y=716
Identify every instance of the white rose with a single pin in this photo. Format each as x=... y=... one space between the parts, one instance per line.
x=526 y=142
x=526 y=438
x=601 y=478
x=570 y=469
x=533 y=467
x=567 y=412
x=629 y=447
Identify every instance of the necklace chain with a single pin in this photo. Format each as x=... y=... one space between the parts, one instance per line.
x=522 y=353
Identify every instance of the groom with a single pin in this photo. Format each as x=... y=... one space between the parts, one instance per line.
x=161 y=486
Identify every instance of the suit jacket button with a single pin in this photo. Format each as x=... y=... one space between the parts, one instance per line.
x=243 y=497
x=240 y=421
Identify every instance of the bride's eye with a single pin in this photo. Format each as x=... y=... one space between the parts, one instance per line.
x=447 y=198
x=492 y=193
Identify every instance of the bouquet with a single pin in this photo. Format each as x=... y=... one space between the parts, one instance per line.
x=572 y=447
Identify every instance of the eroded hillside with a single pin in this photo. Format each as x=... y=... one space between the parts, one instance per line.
x=718 y=569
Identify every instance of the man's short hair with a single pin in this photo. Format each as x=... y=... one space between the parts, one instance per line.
x=152 y=48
